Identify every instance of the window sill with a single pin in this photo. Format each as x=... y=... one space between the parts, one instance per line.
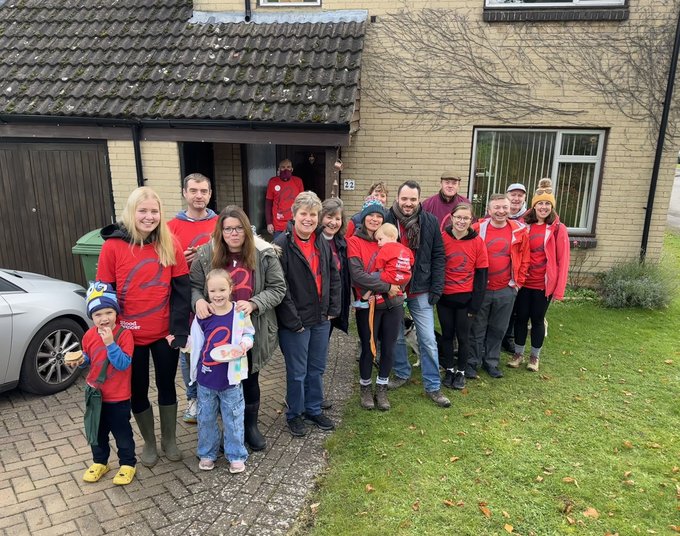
x=553 y=15
x=582 y=242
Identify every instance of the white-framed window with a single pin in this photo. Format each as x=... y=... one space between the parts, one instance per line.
x=289 y=3
x=572 y=158
x=524 y=4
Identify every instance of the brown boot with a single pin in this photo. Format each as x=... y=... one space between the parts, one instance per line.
x=366 y=395
x=381 y=397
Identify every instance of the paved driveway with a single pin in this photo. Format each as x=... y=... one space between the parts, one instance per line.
x=43 y=454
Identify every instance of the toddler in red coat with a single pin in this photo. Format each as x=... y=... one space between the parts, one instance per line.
x=394 y=260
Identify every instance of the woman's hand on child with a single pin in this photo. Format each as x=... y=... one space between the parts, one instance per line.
x=246 y=306
x=106 y=334
x=394 y=291
x=204 y=309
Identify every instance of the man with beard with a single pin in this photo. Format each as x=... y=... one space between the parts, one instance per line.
x=419 y=231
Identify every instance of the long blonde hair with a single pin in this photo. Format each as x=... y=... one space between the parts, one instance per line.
x=161 y=237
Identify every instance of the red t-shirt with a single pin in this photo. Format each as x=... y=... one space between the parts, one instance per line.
x=463 y=257
x=310 y=253
x=282 y=194
x=498 y=249
x=366 y=252
x=192 y=233
x=537 y=259
x=116 y=386
x=336 y=257
x=394 y=260
x=241 y=276
x=142 y=285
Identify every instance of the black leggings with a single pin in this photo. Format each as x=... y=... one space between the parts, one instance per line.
x=530 y=304
x=251 y=385
x=386 y=326
x=165 y=367
x=452 y=310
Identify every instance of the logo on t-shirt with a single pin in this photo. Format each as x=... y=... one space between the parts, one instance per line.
x=277 y=188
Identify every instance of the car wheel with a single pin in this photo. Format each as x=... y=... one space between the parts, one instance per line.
x=43 y=370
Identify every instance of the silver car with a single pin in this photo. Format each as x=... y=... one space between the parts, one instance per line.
x=40 y=320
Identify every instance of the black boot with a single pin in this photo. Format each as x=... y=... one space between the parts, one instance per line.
x=253 y=437
x=448 y=379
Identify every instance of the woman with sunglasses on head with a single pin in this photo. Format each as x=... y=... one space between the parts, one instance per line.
x=547 y=275
x=465 y=277
x=259 y=286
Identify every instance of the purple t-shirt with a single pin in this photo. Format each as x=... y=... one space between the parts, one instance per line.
x=217 y=331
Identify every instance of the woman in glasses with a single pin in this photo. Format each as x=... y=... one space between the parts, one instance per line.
x=547 y=276
x=465 y=276
x=259 y=286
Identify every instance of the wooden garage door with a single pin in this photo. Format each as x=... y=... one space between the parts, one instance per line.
x=52 y=194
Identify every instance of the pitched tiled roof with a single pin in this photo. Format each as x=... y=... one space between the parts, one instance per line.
x=146 y=60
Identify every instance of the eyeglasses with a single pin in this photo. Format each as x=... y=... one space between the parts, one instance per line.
x=461 y=218
x=542 y=191
x=232 y=230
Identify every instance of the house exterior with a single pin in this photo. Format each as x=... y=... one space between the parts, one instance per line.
x=96 y=99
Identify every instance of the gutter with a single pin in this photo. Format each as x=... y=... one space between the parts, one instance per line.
x=660 y=142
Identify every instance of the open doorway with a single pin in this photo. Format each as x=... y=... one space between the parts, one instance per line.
x=199 y=157
x=309 y=163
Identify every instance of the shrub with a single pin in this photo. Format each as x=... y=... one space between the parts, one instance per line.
x=646 y=285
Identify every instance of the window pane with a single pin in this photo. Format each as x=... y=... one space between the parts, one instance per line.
x=579 y=144
x=504 y=157
x=574 y=189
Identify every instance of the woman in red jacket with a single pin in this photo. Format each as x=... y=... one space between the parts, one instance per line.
x=145 y=263
x=465 y=278
x=547 y=276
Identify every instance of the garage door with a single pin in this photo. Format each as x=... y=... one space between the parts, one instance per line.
x=52 y=194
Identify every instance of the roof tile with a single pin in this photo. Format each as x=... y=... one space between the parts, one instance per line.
x=145 y=60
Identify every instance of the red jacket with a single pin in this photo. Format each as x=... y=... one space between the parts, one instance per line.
x=557 y=254
x=519 y=249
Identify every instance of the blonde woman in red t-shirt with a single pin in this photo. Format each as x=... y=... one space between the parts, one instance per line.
x=465 y=278
x=547 y=275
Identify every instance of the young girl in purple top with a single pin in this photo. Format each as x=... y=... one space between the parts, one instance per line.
x=219 y=344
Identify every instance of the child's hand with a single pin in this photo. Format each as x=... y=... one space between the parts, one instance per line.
x=106 y=334
x=74 y=364
x=170 y=338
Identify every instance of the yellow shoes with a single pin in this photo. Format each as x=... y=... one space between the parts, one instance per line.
x=95 y=472
x=124 y=475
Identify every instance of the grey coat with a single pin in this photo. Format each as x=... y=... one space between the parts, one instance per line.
x=269 y=288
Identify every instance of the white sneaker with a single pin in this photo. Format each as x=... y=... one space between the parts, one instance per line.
x=192 y=410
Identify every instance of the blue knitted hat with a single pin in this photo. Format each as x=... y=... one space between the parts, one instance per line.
x=372 y=205
x=101 y=296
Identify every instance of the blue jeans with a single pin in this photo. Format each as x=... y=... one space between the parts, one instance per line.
x=229 y=402
x=115 y=418
x=185 y=367
x=305 y=354
x=423 y=317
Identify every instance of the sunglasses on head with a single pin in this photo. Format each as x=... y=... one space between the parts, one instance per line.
x=542 y=191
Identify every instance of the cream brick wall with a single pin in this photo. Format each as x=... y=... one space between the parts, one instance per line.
x=387 y=148
x=160 y=163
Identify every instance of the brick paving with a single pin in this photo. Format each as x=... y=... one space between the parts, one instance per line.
x=43 y=454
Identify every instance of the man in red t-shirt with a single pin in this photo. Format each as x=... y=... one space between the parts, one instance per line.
x=193 y=227
x=281 y=192
x=507 y=246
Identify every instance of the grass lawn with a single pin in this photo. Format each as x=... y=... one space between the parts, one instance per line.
x=589 y=445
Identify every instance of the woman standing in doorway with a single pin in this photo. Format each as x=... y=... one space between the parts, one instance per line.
x=258 y=288
x=146 y=266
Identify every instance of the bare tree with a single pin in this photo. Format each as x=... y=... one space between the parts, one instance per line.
x=440 y=66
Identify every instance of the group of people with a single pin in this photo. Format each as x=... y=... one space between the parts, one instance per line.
x=205 y=291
